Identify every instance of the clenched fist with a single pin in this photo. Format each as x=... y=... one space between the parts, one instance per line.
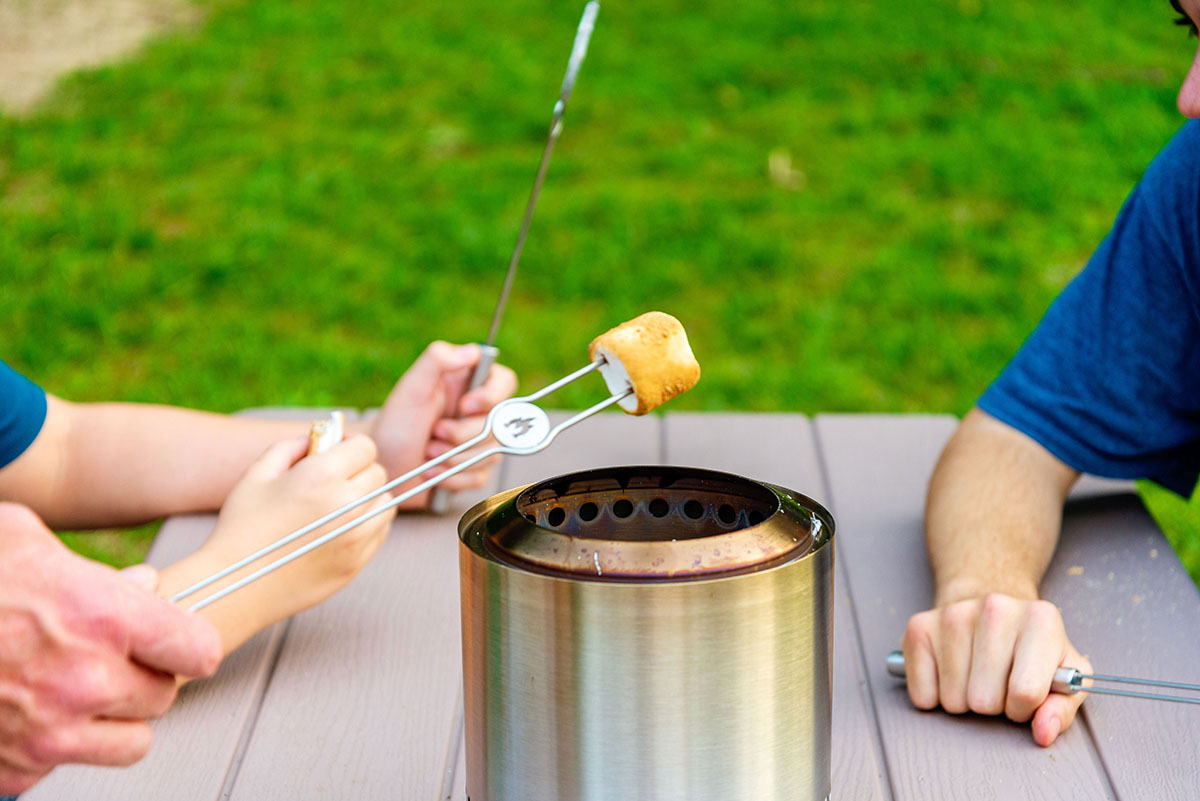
x=87 y=655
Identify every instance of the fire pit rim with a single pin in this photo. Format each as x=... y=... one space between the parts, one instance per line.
x=502 y=529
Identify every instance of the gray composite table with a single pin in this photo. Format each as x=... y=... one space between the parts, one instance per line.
x=360 y=698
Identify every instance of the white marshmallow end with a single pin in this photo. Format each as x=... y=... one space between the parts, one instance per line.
x=326 y=433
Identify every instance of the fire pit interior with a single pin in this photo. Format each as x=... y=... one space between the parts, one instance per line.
x=640 y=506
x=649 y=523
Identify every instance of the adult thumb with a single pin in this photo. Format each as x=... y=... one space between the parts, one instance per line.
x=142 y=575
x=1054 y=716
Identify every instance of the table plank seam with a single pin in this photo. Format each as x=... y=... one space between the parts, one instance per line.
x=272 y=657
x=868 y=693
x=842 y=574
x=456 y=742
x=247 y=733
x=1110 y=787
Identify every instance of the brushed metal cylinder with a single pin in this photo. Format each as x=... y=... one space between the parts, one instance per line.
x=703 y=678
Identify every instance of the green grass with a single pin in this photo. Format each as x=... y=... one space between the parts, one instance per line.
x=1179 y=520
x=285 y=203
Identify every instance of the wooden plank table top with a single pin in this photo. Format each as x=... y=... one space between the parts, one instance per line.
x=360 y=697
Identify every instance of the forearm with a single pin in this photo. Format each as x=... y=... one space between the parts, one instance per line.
x=993 y=512
x=120 y=464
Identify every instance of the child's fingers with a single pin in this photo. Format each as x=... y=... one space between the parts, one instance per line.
x=466 y=480
x=478 y=467
x=475 y=475
x=367 y=480
x=456 y=432
x=422 y=380
x=437 y=448
x=277 y=459
x=348 y=458
x=501 y=383
x=384 y=520
x=365 y=538
x=370 y=477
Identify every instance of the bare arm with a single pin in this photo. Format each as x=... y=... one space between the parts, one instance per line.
x=111 y=464
x=993 y=511
x=114 y=464
x=992 y=521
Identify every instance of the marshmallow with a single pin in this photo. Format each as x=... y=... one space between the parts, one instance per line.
x=649 y=353
x=326 y=433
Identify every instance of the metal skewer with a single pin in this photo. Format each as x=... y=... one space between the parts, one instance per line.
x=1068 y=681
x=518 y=425
x=488 y=350
x=578 y=50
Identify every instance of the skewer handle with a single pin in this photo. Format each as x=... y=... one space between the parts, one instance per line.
x=1066 y=679
x=439 y=502
x=487 y=357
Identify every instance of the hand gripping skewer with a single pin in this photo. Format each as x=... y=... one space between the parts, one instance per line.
x=1068 y=681
x=518 y=425
x=488 y=350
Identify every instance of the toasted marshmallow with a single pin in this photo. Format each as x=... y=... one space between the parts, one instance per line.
x=651 y=354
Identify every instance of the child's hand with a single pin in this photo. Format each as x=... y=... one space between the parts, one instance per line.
x=279 y=493
x=419 y=420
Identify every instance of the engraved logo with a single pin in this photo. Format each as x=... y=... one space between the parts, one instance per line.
x=520 y=425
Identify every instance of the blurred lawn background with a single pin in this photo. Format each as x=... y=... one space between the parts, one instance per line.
x=851 y=207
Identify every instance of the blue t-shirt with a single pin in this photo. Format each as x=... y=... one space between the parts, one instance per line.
x=1109 y=382
x=22 y=412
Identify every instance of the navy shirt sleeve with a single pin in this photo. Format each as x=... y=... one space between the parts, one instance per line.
x=1109 y=382
x=22 y=413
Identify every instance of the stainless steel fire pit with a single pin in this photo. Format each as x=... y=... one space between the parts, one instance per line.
x=650 y=633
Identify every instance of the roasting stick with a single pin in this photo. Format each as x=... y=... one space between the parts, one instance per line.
x=1068 y=681
x=440 y=501
x=645 y=362
x=578 y=50
x=404 y=496
x=510 y=421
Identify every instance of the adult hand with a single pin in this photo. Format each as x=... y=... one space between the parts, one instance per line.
x=87 y=655
x=993 y=655
x=419 y=420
